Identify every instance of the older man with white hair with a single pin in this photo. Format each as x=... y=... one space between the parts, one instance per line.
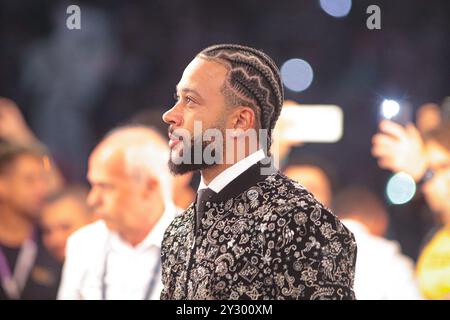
x=118 y=257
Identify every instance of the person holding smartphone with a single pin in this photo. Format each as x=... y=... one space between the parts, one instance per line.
x=428 y=162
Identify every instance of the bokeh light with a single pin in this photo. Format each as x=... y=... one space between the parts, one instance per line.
x=390 y=108
x=297 y=74
x=336 y=8
x=400 y=188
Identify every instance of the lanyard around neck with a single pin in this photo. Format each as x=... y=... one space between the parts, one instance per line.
x=14 y=282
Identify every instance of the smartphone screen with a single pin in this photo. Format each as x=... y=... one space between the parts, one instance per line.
x=396 y=111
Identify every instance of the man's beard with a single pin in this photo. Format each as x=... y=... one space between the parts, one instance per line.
x=184 y=167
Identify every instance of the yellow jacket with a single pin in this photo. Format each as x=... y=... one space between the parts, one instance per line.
x=433 y=267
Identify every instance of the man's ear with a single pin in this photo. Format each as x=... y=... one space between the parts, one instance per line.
x=243 y=118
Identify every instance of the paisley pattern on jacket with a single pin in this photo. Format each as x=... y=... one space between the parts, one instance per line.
x=274 y=240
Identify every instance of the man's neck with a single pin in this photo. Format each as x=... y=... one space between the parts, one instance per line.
x=210 y=173
x=136 y=237
x=15 y=227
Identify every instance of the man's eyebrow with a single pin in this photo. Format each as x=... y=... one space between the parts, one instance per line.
x=188 y=90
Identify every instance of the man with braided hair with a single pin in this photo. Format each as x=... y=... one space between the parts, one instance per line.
x=251 y=233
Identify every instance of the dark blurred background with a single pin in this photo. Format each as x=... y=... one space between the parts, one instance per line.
x=74 y=85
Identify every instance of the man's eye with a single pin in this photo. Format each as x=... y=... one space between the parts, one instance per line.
x=186 y=99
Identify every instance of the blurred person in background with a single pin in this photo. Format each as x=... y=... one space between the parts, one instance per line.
x=433 y=267
x=13 y=128
x=27 y=270
x=182 y=192
x=64 y=212
x=428 y=117
x=403 y=148
x=316 y=176
x=118 y=257
x=382 y=271
x=428 y=162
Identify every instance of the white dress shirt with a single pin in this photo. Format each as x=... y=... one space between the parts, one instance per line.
x=231 y=173
x=382 y=271
x=130 y=270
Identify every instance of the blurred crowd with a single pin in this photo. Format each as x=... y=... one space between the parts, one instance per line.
x=59 y=240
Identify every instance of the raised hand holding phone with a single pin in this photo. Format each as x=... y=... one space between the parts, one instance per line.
x=400 y=148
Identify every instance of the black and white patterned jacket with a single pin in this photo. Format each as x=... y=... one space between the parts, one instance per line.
x=262 y=237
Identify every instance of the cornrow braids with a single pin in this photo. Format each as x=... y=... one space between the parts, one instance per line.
x=253 y=80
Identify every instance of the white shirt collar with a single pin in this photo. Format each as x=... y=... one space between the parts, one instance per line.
x=231 y=173
x=154 y=237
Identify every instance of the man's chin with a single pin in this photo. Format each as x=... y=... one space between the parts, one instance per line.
x=180 y=164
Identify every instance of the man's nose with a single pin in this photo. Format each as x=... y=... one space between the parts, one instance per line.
x=92 y=198
x=173 y=116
